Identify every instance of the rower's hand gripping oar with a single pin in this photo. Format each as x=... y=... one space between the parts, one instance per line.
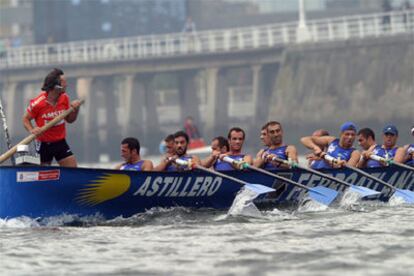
x=363 y=191
x=406 y=195
x=390 y=162
x=257 y=188
x=31 y=137
x=320 y=194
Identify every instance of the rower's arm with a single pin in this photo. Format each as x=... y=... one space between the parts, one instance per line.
x=400 y=155
x=195 y=160
x=292 y=153
x=316 y=143
x=365 y=156
x=147 y=165
x=259 y=161
x=162 y=165
x=248 y=159
x=27 y=121
x=209 y=161
x=362 y=163
x=353 y=161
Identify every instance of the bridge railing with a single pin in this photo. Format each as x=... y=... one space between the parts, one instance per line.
x=208 y=42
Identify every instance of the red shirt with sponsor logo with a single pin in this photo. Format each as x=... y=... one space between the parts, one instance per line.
x=42 y=112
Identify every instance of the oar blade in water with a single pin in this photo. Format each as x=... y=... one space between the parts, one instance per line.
x=363 y=191
x=322 y=195
x=259 y=189
x=407 y=195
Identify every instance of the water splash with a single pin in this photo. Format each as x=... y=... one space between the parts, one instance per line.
x=20 y=222
x=52 y=222
x=308 y=205
x=243 y=205
x=396 y=201
x=351 y=201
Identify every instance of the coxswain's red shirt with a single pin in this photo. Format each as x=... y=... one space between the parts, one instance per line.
x=42 y=112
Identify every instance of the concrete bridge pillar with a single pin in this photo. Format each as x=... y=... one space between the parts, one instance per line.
x=264 y=82
x=217 y=102
x=257 y=91
x=111 y=135
x=10 y=91
x=210 y=116
x=188 y=92
x=87 y=115
x=132 y=104
x=222 y=104
x=146 y=100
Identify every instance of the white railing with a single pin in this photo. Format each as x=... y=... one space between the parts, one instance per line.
x=208 y=42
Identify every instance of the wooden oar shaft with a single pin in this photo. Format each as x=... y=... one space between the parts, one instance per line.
x=31 y=137
x=371 y=177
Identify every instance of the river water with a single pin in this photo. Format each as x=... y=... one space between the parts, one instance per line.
x=359 y=239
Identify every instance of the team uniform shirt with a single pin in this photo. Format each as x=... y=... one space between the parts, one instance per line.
x=280 y=152
x=221 y=165
x=43 y=112
x=133 y=167
x=380 y=151
x=336 y=151
x=173 y=167
x=410 y=149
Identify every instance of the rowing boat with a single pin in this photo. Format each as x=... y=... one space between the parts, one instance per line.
x=38 y=191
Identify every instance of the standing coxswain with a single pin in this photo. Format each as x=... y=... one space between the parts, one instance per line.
x=50 y=103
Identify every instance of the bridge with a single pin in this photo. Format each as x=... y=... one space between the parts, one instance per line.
x=220 y=76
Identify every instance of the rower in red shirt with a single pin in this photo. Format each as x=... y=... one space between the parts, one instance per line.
x=51 y=102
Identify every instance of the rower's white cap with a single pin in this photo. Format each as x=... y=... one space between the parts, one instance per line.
x=22 y=148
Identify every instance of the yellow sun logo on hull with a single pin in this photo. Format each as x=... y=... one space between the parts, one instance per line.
x=107 y=187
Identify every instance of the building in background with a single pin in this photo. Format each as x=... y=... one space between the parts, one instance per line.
x=25 y=22
x=71 y=20
x=16 y=21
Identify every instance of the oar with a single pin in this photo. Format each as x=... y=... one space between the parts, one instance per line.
x=390 y=162
x=407 y=195
x=363 y=191
x=257 y=188
x=31 y=137
x=320 y=194
x=6 y=130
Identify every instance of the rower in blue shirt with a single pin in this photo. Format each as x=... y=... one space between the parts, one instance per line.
x=181 y=141
x=387 y=150
x=219 y=146
x=130 y=149
x=405 y=154
x=276 y=149
x=341 y=148
x=235 y=138
x=265 y=140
